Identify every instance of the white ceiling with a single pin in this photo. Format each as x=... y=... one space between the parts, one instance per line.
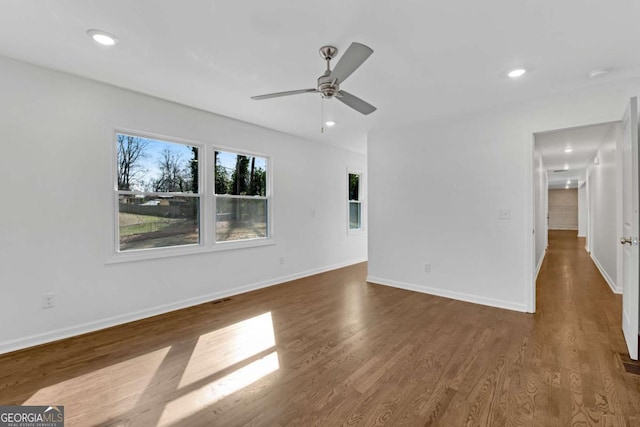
x=584 y=142
x=432 y=59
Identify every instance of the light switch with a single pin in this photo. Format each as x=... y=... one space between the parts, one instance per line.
x=504 y=213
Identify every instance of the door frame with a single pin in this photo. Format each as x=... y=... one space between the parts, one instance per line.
x=629 y=216
x=587 y=185
x=531 y=267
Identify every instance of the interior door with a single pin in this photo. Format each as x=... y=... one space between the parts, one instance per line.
x=630 y=225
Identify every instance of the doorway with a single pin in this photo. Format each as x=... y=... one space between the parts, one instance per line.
x=581 y=168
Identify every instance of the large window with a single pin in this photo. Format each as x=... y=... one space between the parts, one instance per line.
x=355 y=204
x=175 y=197
x=242 y=197
x=157 y=193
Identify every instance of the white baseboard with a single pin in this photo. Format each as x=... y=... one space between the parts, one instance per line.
x=539 y=266
x=55 y=335
x=491 y=302
x=615 y=289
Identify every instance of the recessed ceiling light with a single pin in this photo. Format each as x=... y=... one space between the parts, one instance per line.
x=566 y=186
x=596 y=74
x=568 y=181
x=330 y=123
x=566 y=166
x=568 y=150
x=102 y=37
x=517 y=73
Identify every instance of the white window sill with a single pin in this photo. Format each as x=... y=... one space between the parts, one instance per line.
x=355 y=232
x=156 y=253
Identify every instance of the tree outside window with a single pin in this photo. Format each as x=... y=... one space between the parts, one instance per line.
x=242 y=198
x=157 y=193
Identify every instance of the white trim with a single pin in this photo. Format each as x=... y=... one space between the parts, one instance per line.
x=165 y=194
x=530 y=228
x=174 y=251
x=233 y=196
x=529 y=212
x=606 y=276
x=565 y=229
x=625 y=331
x=360 y=201
x=47 y=337
x=115 y=254
x=491 y=302
x=249 y=243
x=539 y=266
x=587 y=183
x=619 y=206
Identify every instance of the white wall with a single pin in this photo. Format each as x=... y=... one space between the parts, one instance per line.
x=582 y=210
x=435 y=189
x=540 y=191
x=604 y=209
x=55 y=220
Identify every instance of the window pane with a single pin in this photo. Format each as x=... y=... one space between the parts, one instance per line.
x=354 y=186
x=150 y=165
x=354 y=216
x=240 y=175
x=240 y=218
x=156 y=222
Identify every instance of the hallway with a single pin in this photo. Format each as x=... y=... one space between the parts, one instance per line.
x=578 y=341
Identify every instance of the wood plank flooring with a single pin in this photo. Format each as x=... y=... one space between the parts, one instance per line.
x=333 y=350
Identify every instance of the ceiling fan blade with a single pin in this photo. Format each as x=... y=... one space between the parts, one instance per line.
x=352 y=58
x=355 y=102
x=277 y=94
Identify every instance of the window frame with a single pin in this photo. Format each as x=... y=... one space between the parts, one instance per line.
x=207 y=203
x=360 y=201
x=258 y=241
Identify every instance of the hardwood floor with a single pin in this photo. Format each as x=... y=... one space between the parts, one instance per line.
x=333 y=350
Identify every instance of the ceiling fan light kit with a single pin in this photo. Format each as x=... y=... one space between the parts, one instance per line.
x=328 y=85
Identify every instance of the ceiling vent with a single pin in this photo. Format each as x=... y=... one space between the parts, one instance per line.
x=560 y=170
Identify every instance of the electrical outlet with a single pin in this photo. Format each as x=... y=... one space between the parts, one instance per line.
x=427 y=268
x=281 y=260
x=504 y=213
x=48 y=300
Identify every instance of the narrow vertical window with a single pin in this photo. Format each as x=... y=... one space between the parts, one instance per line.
x=242 y=197
x=355 y=204
x=157 y=193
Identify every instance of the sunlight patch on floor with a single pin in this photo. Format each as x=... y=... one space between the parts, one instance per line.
x=242 y=340
x=189 y=404
x=94 y=383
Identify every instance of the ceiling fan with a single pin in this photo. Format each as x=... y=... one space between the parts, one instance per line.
x=329 y=82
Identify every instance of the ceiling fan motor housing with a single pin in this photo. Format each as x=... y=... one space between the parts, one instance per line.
x=327 y=86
